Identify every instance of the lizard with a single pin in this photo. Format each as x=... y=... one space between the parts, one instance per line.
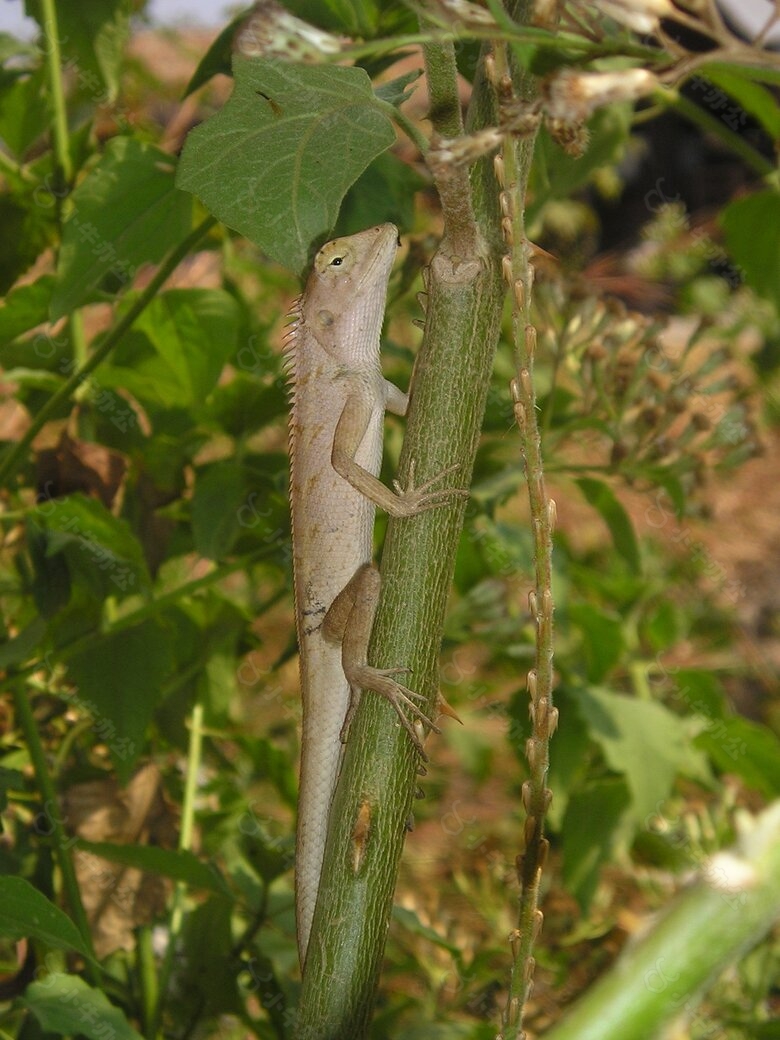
x=338 y=398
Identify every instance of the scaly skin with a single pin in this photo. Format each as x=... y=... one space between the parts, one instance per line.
x=339 y=398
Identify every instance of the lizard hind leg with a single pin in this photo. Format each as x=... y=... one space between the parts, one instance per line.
x=349 y=621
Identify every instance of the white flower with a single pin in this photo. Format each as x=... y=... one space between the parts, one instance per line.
x=572 y=96
x=640 y=15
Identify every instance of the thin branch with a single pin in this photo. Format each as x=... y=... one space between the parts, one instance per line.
x=512 y=169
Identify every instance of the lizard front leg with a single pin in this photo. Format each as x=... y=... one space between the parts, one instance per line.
x=350 y=430
x=349 y=621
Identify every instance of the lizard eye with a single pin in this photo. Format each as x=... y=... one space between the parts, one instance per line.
x=337 y=261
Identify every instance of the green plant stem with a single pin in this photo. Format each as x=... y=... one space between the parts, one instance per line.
x=14 y=457
x=147 y=972
x=62 y=158
x=570 y=43
x=26 y=720
x=461 y=236
x=71 y=737
x=406 y=124
x=63 y=162
x=13 y=169
x=517 y=157
x=375 y=793
x=194 y=757
x=80 y=352
x=442 y=76
x=709 y=926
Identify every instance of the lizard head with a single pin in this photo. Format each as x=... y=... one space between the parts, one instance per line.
x=347 y=288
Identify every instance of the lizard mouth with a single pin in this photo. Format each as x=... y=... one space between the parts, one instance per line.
x=380 y=254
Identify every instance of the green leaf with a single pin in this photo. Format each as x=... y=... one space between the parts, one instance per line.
x=216 y=60
x=277 y=160
x=765 y=1030
x=66 y=1005
x=120 y=683
x=51 y=586
x=396 y=91
x=244 y=404
x=126 y=212
x=410 y=922
x=356 y=17
x=177 y=349
x=10 y=780
x=273 y=763
x=24 y=308
x=23 y=111
x=39 y=379
x=592 y=822
x=671 y=484
x=757 y=73
x=27 y=914
x=219 y=493
x=204 y=980
x=384 y=192
x=700 y=691
x=640 y=739
x=348 y=17
x=602 y=641
x=603 y=500
x=20 y=648
x=737 y=745
x=93 y=34
x=755 y=252
x=570 y=752
x=179 y=865
x=98 y=547
x=28 y=228
x=753 y=98
x=663 y=624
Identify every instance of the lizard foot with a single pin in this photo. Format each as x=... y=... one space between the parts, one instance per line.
x=419 y=499
x=380 y=680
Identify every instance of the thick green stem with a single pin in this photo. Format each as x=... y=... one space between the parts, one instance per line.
x=374 y=797
x=710 y=925
x=451 y=179
x=14 y=457
x=442 y=78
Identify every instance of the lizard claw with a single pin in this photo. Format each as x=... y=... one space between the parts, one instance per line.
x=380 y=680
x=421 y=498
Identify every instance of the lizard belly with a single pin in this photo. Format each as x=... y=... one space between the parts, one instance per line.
x=339 y=523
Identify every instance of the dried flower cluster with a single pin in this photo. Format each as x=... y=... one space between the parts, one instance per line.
x=461 y=13
x=654 y=19
x=270 y=31
x=571 y=96
x=655 y=399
